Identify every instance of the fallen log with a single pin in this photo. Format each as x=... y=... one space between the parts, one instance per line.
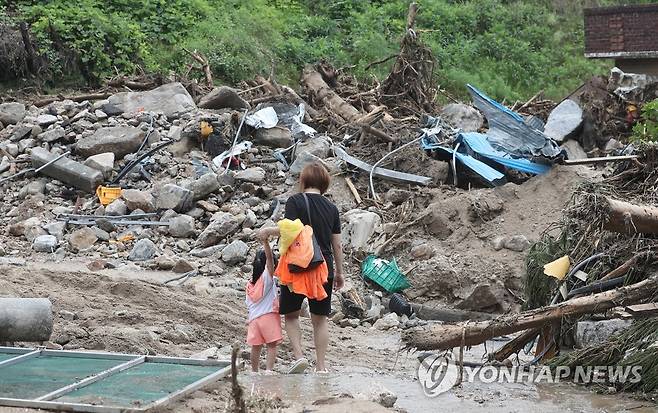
x=310 y=111
x=131 y=84
x=448 y=315
x=627 y=218
x=312 y=81
x=626 y=266
x=79 y=98
x=444 y=337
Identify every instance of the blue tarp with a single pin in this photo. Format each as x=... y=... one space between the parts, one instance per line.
x=509 y=133
x=479 y=144
x=489 y=174
x=509 y=142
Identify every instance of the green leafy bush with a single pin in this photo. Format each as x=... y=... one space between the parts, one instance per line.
x=646 y=130
x=509 y=48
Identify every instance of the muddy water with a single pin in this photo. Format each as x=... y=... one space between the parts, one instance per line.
x=472 y=397
x=377 y=364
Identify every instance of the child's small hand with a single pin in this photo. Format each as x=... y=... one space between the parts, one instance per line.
x=262 y=235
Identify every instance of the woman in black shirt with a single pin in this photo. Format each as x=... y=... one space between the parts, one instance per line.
x=324 y=218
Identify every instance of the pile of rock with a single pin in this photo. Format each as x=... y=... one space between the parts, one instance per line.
x=177 y=210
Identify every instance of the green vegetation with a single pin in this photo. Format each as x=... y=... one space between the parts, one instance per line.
x=510 y=48
x=646 y=130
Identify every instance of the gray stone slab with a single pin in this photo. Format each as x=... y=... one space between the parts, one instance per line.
x=67 y=170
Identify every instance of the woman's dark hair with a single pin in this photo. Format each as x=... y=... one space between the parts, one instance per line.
x=315 y=175
x=259 y=264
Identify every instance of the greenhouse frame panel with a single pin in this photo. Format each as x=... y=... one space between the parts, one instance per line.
x=125 y=362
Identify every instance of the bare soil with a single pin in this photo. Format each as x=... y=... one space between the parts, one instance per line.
x=131 y=311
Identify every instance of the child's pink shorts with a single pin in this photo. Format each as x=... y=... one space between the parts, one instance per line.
x=266 y=329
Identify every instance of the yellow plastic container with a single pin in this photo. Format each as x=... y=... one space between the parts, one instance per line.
x=206 y=129
x=107 y=194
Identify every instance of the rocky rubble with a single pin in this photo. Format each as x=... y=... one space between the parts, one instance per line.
x=180 y=211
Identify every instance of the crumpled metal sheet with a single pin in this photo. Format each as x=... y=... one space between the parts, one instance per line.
x=479 y=144
x=508 y=131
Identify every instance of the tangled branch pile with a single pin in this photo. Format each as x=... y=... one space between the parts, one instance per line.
x=584 y=232
x=411 y=76
x=635 y=346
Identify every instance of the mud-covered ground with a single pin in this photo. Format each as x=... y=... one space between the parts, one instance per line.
x=131 y=311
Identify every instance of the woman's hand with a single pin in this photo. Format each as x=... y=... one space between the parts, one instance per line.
x=339 y=281
x=265 y=234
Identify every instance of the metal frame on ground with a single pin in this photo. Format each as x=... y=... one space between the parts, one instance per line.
x=45 y=401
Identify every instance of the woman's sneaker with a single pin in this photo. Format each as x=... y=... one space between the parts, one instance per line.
x=299 y=366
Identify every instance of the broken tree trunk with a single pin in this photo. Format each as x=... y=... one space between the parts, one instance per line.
x=411 y=77
x=444 y=337
x=312 y=81
x=515 y=345
x=626 y=266
x=627 y=218
x=80 y=98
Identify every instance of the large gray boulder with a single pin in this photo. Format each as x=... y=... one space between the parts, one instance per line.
x=590 y=333
x=235 y=252
x=120 y=140
x=174 y=197
x=103 y=162
x=564 y=121
x=276 y=137
x=255 y=175
x=462 y=116
x=359 y=226
x=222 y=225
x=52 y=135
x=204 y=186
x=45 y=243
x=143 y=250
x=181 y=226
x=12 y=113
x=223 y=97
x=136 y=199
x=171 y=99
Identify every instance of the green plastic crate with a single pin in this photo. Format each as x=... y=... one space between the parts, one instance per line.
x=385 y=273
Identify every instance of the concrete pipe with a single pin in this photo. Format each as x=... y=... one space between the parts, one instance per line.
x=25 y=319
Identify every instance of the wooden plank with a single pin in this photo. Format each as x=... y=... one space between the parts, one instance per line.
x=355 y=193
x=602 y=159
x=382 y=172
x=643 y=309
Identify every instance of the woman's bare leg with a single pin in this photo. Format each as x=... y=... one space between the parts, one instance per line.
x=321 y=339
x=294 y=332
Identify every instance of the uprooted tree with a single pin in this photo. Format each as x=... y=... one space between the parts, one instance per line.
x=444 y=337
x=411 y=77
